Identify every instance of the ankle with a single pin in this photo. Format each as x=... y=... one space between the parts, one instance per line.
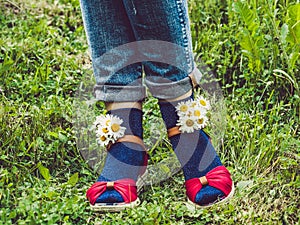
x=120 y=105
x=132 y=120
x=168 y=111
x=126 y=156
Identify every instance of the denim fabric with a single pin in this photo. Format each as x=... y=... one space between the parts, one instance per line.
x=118 y=33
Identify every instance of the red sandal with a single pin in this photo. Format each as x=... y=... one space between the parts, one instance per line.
x=219 y=178
x=126 y=187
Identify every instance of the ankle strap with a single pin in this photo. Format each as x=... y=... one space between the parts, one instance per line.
x=130 y=138
x=173 y=131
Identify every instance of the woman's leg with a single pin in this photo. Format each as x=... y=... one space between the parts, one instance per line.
x=168 y=21
x=197 y=157
x=119 y=86
x=168 y=58
x=108 y=29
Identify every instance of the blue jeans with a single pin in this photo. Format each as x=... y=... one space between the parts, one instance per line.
x=137 y=42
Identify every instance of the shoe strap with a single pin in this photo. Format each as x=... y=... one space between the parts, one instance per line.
x=173 y=131
x=130 y=138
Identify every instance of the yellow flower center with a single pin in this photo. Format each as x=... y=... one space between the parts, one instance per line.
x=105 y=130
x=115 y=127
x=102 y=138
x=183 y=108
x=202 y=102
x=200 y=121
x=193 y=104
x=107 y=122
x=189 y=123
x=197 y=113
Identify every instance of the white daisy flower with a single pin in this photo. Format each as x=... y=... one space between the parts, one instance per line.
x=199 y=111
x=193 y=103
x=108 y=129
x=187 y=124
x=100 y=121
x=106 y=121
x=201 y=122
x=104 y=140
x=202 y=102
x=114 y=127
x=183 y=108
x=192 y=114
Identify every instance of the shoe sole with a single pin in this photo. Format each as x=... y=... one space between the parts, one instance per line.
x=224 y=200
x=114 y=207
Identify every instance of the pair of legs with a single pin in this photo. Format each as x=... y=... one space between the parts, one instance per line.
x=127 y=38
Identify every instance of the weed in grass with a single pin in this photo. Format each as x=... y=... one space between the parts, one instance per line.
x=253 y=49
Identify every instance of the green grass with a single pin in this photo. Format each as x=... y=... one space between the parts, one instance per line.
x=252 y=47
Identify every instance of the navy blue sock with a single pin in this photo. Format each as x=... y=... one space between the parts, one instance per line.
x=194 y=151
x=124 y=159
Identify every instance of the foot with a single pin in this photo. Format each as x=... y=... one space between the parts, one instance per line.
x=126 y=160
x=197 y=156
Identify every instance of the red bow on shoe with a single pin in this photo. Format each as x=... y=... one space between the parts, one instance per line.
x=126 y=188
x=218 y=177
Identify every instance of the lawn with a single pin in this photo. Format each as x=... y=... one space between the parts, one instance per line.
x=252 y=50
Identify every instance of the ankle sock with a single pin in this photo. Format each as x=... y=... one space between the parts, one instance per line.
x=124 y=159
x=194 y=151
